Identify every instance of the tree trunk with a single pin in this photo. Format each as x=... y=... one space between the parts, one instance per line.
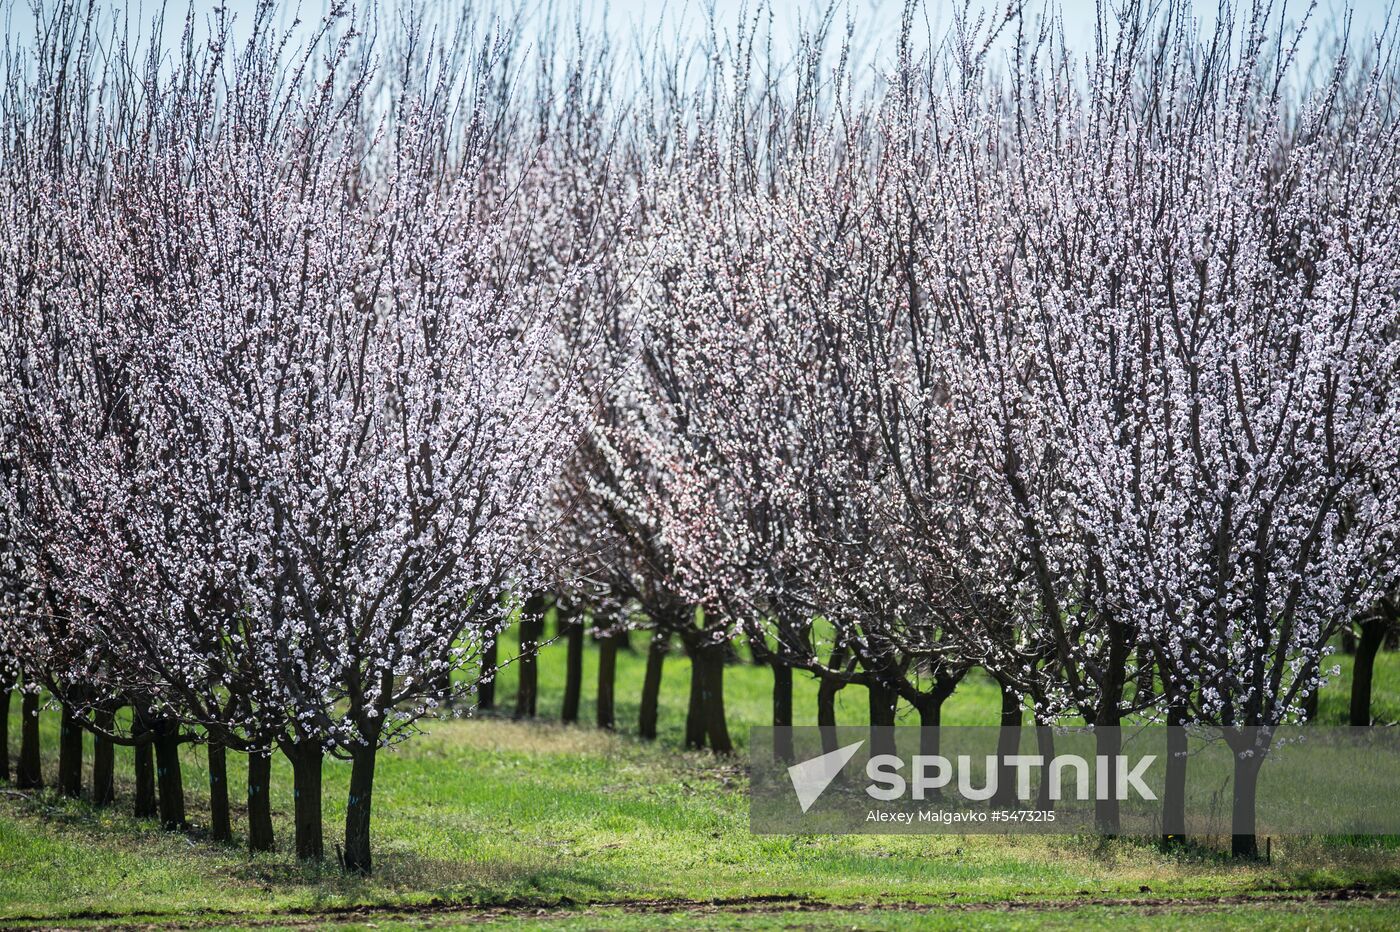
x=306 y=758
x=607 y=679
x=219 y=827
x=573 y=668
x=259 y=801
x=826 y=711
x=30 y=773
x=528 y=686
x=1008 y=743
x=883 y=703
x=169 y=780
x=651 y=686
x=486 y=681
x=70 y=755
x=104 y=790
x=1363 y=669
x=5 y=734
x=1244 y=842
x=712 y=683
x=145 y=773
x=357 y=809
x=1108 y=744
x=1045 y=747
x=1174 y=791
x=695 y=709
x=930 y=709
x=782 y=710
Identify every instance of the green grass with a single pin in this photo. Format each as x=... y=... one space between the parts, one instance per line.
x=489 y=811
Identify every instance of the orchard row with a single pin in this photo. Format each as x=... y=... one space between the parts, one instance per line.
x=327 y=353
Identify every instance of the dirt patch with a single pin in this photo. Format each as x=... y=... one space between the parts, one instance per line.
x=458 y=911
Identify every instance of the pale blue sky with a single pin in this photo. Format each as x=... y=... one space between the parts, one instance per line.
x=877 y=20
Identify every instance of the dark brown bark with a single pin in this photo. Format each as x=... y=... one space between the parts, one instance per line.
x=1244 y=842
x=70 y=755
x=1108 y=745
x=1045 y=747
x=104 y=790
x=651 y=686
x=929 y=705
x=930 y=709
x=1008 y=742
x=712 y=683
x=220 y=828
x=528 y=685
x=607 y=680
x=169 y=779
x=260 y=802
x=573 y=666
x=826 y=711
x=1364 y=668
x=782 y=710
x=358 y=859
x=883 y=703
x=306 y=758
x=5 y=734
x=1174 y=791
x=144 y=804
x=29 y=775
x=486 y=682
x=695 y=729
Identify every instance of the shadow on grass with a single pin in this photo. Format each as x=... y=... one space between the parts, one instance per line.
x=417 y=879
x=395 y=870
x=328 y=892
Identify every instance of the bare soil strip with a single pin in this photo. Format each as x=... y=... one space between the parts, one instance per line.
x=462 y=911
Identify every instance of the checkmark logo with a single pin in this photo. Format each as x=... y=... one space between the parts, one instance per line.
x=811 y=777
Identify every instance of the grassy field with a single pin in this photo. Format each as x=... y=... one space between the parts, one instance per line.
x=539 y=825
